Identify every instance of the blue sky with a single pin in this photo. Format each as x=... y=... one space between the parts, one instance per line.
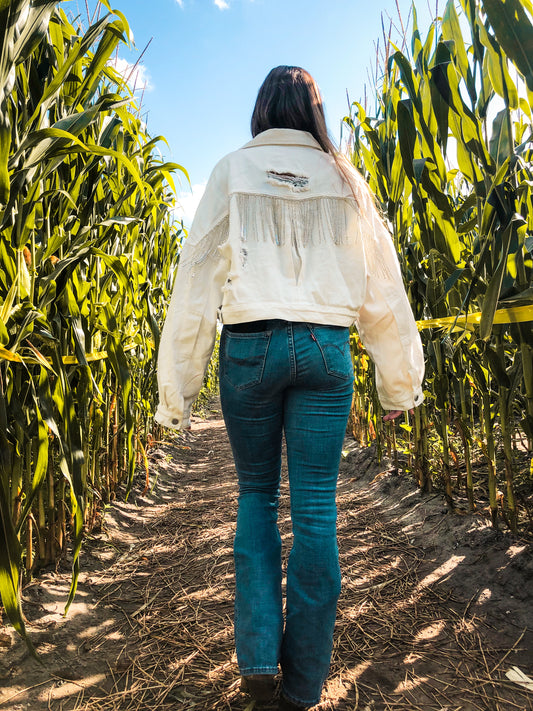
x=207 y=59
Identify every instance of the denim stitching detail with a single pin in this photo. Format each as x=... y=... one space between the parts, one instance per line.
x=292 y=353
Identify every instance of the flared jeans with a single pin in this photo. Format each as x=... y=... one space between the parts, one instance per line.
x=293 y=379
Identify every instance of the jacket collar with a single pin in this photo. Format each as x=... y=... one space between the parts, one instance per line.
x=283 y=137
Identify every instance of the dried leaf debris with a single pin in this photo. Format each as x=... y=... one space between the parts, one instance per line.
x=407 y=637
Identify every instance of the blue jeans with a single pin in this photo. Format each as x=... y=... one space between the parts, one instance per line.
x=297 y=379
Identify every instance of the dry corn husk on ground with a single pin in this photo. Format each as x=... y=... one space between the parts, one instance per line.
x=432 y=616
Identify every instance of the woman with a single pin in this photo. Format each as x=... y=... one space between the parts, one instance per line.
x=288 y=251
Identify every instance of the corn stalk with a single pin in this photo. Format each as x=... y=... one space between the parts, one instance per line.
x=87 y=252
x=456 y=188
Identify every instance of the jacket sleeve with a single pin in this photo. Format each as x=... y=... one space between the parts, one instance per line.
x=189 y=330
x=385 y=322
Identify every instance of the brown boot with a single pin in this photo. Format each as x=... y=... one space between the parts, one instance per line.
x=261 y=687
x=286 y=705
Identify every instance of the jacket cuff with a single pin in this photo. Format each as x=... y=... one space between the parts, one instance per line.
x=174 y=420
x=415 y=400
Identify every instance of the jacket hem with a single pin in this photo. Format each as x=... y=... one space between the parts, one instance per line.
x=327 y=316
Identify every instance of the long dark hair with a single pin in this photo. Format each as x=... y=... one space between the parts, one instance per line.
x=290 y=98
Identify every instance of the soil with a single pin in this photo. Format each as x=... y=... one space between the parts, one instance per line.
x=435 y=609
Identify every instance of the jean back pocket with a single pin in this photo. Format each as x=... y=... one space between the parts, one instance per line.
x=244 y=356
x=334 y=344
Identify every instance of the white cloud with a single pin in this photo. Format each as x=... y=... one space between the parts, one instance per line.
x=136 y=76
x=188 y=202
x=221 y=4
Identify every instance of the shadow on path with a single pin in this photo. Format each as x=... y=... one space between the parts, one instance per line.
x=434 y=609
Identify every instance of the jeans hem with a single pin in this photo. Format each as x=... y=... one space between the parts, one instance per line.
x=249 y=671
x=299 y=702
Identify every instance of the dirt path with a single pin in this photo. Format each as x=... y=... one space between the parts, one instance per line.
x=435 y=608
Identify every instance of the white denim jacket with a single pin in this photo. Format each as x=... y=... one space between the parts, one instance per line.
x=278 y=234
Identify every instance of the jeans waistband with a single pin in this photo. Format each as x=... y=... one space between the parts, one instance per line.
x=255 y=326
x=269 y=325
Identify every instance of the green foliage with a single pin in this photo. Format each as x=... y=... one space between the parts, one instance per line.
x=87 y=253
x=457 y=190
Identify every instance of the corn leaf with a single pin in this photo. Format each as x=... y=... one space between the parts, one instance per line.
x=514 y=33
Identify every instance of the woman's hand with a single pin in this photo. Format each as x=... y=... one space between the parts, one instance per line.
x=393 y=414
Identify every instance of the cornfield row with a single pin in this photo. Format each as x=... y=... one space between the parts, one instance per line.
x=87 y=249
x=449 y=154
x=88 y=245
